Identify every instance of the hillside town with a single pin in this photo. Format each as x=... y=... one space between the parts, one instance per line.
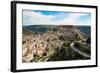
x=41 y=47
x=40 y=44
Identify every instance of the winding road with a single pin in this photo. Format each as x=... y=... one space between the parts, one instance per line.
x=80 y=52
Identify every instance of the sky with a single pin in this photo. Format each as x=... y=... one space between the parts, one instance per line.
x=36 y=17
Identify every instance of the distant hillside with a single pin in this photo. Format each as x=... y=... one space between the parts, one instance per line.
x=85 y=29
x=38 y=28
x=27 y=31
x=44 y=28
